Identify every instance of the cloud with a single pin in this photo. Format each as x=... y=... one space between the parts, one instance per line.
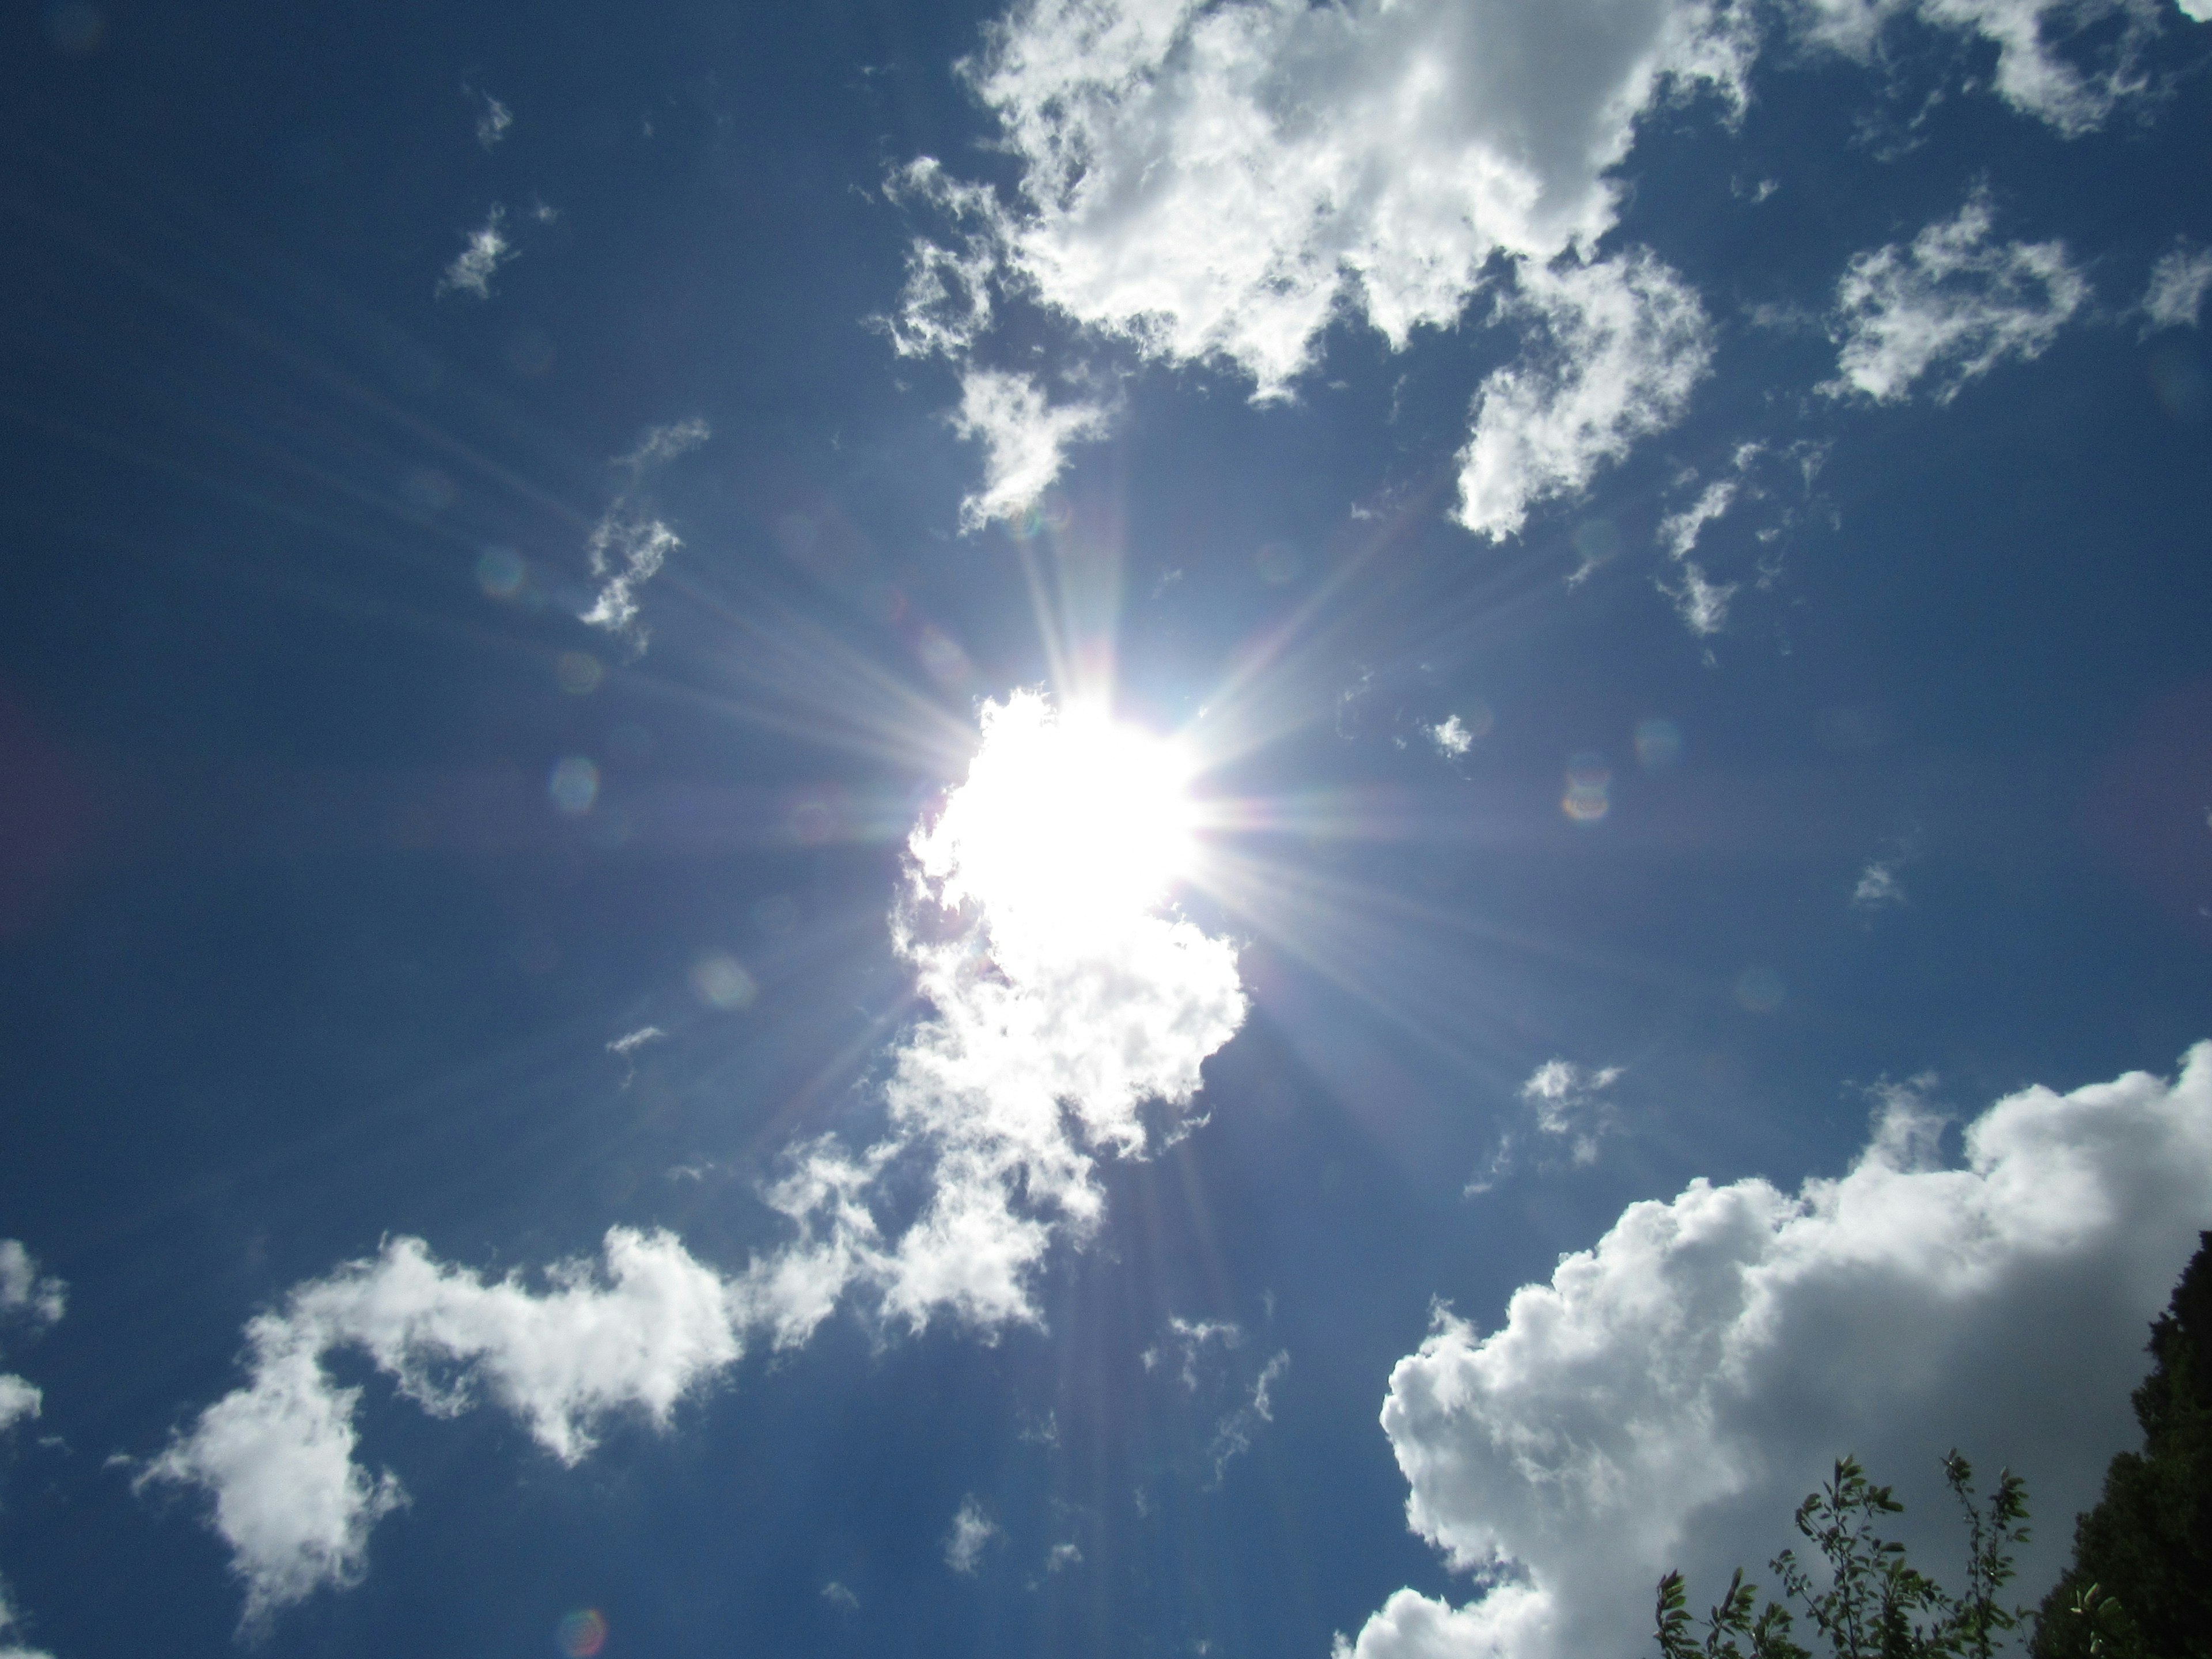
x=27 y=1296
x=1878 y=885
x=1065 y=1005
x=8 y=1622
x=628 y=546
x=1568 y=1103
x=19 y=1400
x=971 y=1531
x=1189 y=1338
x=1060 y=1557
x=25 y=1292
x=485 y=249
x=1232 y=1436
x=838 y=1596
x=647 y=1327
x=1951 y=307
x=630 y=1044
x=1679 y=531
x=1451 y=737
x=2177 y=281
x=1628 y=342
x=2031 y=74
x=493 y=120
x=1221 y=183
x=1666 y=1398
x=1024 y=441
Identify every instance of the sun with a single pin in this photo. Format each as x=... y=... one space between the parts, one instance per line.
x=1070 y=825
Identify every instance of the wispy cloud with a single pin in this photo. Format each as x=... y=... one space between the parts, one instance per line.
x=1950 y=307
x=1024 y=438
x=972 y=1533
x=1627 y=342
x=2175 y=297
x=629 y=543
x=493 y=119
x=27 y=1297
x=1569 y=1103
x=1233 y=1434
x=484 y=250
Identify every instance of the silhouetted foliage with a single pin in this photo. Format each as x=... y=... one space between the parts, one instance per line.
x=1875 y=1603
x=2141 y=1584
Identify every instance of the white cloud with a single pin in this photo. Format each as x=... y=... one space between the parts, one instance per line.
x=1063 y=1556
x=483 y=251
x=2177 y=281
x=1190 y=1338
x=1679 y=531
x=2032 y=74
x=8 y=1622
x=972 y=1530
x=1217 y=180
x=1628 y=342
x=1025 y=440
x=1952 y=305
x=25 y=1292
x=838 y=1596
x=19 y=1400
x=26 y=1296
x=493 y=119
x=1232 y=1436
x=1065 y=1001
x=1451 y=737
x=278 y=1454
x=1667 y=1398
x=1220 y=182
x=630 y=1044
x=628 y=546
x=2198 y=11
x=1878 y=885
x=1570 y=1104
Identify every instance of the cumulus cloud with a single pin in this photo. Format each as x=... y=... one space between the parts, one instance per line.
x=484 y=249
x=1065 y=1002
x=1221 y=183
x=2032 y=74
x=972 y=1530
x=19 y=1400
x=628 y=546
x=1950 y=307
x=1025 y=440
x=1669 y=1396
x=2177 y=281
x=1629 y=341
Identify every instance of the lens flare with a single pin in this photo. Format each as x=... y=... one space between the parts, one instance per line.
x=583 y=1633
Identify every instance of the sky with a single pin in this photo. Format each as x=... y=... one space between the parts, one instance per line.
x=1123 y=827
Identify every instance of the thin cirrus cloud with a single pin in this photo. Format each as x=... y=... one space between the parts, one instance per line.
x=1668 y=1396
x=1949 y=307
x=2033 y=74
x=1219 y=184
x=484 y=250
x=1049 y=1035
x=629 y=543
x=2177 y=283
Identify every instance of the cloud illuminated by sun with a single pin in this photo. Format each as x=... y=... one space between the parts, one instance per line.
x=1070 y=826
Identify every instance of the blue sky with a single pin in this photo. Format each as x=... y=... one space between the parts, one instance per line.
x=1132 y=828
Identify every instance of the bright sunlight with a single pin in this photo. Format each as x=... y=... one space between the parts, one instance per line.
x=1069 y=823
